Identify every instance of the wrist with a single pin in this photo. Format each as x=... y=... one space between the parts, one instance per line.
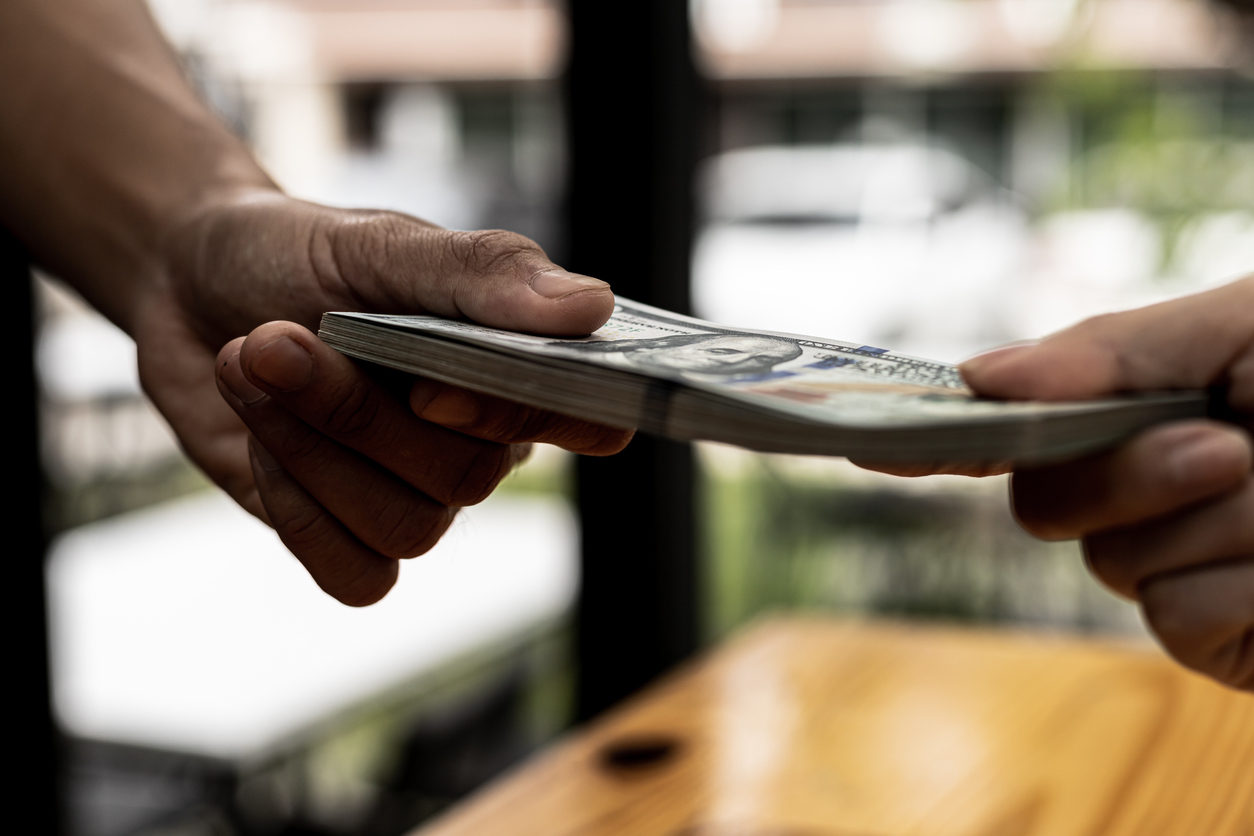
x=163 y=243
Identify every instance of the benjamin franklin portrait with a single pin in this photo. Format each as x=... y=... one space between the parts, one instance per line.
x=714 y=355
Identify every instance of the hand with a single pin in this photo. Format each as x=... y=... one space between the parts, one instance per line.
x=325 y=451
x=1167 y=519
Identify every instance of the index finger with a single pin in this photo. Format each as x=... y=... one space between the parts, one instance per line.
x=1195 y=341
x=496 y=419
x=335 y=400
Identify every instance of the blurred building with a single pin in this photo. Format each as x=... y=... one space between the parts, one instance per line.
x=326 y=72
x=448 y=110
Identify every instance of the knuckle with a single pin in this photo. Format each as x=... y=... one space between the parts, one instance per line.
x=524 y=425
x=490 y=250
x=1108 y=566
x=326 y=256
x=515 y=424
x=302 y=528
x=337 y=252
x=1039 y=509
x=1173 y=619
x=527 y=424
x=409 y=529
x=486 y=468
x=355 y=244
x=1038 y=522
x=353 y=413
x=596 y=440
x=1213 y=637
x=611 y=441
x=301 y=446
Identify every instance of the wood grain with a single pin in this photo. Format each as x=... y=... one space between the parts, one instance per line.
x=809 y=727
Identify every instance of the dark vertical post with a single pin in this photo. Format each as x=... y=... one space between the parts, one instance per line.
x=35 y=772
x=631 y=114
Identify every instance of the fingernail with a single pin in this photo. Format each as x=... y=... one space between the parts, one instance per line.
x=233 y=377
x=451 y=408
x=284 y=364
x=554 y=284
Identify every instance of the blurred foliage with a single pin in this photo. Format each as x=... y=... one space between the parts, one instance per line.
x=832 y=539
x=1191 y=176
x=1169 y=149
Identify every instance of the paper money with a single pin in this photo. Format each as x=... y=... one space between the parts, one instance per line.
x=689 y=379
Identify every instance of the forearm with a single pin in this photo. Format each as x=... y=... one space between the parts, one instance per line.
x=104 y=147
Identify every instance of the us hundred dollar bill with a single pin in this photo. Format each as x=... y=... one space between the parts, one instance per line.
x=687 y=378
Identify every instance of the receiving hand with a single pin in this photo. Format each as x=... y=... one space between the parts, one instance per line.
x=328 y=452
x=1167 y=519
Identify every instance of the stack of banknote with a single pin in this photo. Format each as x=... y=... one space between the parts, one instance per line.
x=688 y=379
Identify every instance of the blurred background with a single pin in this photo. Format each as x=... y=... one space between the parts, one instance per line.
x=933 y=176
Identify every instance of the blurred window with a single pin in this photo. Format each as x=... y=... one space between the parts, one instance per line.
x=939 y=177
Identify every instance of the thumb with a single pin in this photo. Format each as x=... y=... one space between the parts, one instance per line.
x=493 y=277
x=1192 y=342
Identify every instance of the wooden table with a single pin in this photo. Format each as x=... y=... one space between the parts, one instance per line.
x=804 y=727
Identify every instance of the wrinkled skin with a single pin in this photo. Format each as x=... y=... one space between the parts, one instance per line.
x=133 y=192
x=354 y=468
